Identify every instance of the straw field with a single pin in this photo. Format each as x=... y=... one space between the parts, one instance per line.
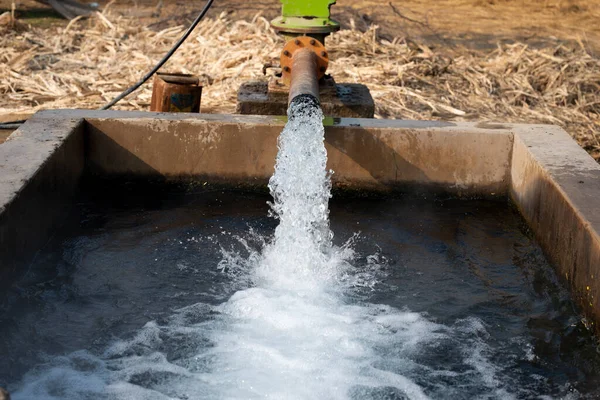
x=89 y=61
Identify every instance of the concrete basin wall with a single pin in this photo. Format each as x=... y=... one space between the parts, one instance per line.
x=553 y=182
x=364 y=153
x=556 y=186
x=40 y=168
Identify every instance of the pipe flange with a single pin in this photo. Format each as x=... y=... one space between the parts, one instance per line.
x=298 y=43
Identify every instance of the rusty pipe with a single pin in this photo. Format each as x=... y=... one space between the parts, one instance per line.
x=304 y=75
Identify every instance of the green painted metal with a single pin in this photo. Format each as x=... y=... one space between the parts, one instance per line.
x=306 y=17
x=306 y=8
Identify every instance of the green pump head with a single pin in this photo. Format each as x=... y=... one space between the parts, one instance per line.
x=305 y=17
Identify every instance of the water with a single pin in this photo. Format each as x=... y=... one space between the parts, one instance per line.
x=161 y=294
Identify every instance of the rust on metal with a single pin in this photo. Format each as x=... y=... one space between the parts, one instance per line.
x=304 y=75
x=303 y=43
x=176 y=93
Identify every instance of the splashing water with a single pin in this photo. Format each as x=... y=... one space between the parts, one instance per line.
x=301 y=254
x=296 y=329
x=292 y=335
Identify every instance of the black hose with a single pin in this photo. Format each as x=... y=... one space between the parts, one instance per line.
x=16 y=124
x=12 y=124
x=163 y=60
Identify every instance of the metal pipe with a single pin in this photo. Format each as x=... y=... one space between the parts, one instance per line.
x=304 y=75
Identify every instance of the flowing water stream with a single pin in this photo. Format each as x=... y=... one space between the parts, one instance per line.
x=301 y=320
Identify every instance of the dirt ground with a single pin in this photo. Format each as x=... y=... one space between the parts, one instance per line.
x=531 y=61
x=475 y=24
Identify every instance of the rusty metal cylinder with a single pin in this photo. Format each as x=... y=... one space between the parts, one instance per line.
x=176 y=93
x=305 y=75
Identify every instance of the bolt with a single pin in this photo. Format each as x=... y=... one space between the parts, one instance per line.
x=286 y=53
x=297 y=42
x=286 y=69
x=313 y=42
x=323 y=54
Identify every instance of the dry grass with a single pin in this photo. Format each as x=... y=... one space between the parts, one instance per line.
x=90 y=61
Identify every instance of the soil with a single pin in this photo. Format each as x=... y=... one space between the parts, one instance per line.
x=474 y=24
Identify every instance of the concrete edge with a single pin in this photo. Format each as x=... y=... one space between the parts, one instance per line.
x=556 y=186
x=40 y=167
x=489 y=127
